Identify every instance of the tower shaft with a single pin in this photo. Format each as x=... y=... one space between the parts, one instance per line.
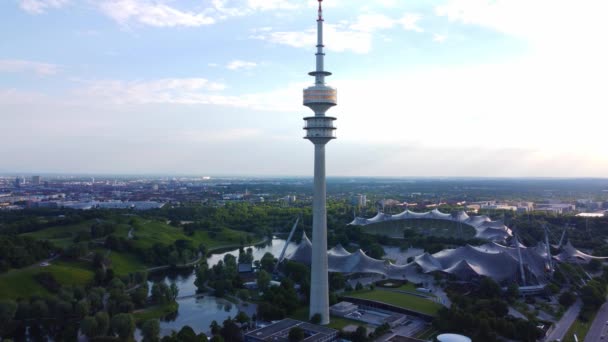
x=319 y=130
x=319 y=282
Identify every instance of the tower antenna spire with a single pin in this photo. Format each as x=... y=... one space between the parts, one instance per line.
x=320 y=10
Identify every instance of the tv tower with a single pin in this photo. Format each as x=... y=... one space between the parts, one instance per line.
x=319 y=130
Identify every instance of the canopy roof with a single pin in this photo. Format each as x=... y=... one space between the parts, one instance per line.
x=485 y=228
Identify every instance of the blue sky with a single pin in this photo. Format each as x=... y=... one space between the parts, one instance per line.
x=426 y=88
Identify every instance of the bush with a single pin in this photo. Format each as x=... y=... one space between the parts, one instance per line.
x=316 y=318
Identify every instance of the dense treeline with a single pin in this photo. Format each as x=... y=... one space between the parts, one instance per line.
x=18 y=251
x=482 y=314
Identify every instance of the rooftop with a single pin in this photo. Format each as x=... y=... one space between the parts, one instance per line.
x=279 y=332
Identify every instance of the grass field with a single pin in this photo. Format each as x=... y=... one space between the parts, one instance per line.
x=148 y=233
x=432 y=227
x=579 y=328
x=125 y=263
x=61 y=236
x=21 y=283
x=155 y=312
x=402 y=300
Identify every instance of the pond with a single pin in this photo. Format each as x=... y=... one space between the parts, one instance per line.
x=199 y=312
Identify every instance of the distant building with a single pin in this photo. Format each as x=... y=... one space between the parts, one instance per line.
x=359 y=200
x=279 y=332
x=36 y=180
x=556 y=208
x=19 y=181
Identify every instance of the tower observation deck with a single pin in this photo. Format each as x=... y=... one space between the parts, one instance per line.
x=319 y=130
x=320 y=97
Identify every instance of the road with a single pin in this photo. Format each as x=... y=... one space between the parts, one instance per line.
x=562 y=326
x=598 y=327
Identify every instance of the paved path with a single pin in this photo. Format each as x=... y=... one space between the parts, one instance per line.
x=599 y=326
x=562 y=326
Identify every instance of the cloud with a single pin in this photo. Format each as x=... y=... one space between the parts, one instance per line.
x=409 y=22
x=16 y=65
x=238 y=64
x=439 y=38
x=186 y=91
x=266 y=5
x=355 y=37
x=337 y=38
x=168 y=90
x=40 y=6
x=156 y=14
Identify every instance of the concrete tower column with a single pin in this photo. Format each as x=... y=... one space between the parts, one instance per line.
x=319 y=283
x=319 y=130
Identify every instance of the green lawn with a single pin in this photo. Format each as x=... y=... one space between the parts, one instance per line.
x=579 y=328
x=155 y=312
x=402 y=300
x=147 y=233
x=125 y=263
x=61 y=236
x=20 y=283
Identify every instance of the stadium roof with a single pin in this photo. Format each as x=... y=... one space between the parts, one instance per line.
x=485 y=228
x=493 y=260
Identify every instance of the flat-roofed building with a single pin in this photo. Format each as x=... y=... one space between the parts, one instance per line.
x=279 y=332
x=342 y=309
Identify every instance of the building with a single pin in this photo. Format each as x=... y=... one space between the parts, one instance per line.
x=556 y=208
x=343 y=309
x=279 y=332
x=19 y=181
x=359 y=200
x=36 y=180
x=319 y=130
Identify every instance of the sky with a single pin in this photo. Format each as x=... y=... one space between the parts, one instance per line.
x=500 y=88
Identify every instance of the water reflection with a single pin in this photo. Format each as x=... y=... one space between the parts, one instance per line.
x=199 y=312
x=275 y=246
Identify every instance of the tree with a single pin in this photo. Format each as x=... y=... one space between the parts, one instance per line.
x=88 y=326
x=215 y=328
x=82 y=308
x=595 y=265
x=8 y=308
x=216 y=338
x=140 y=295
x=150 y=330
x=242 y=317
x=230 y=331
x=39 y=309
x=488 y=288
x=187 y=334
x=316 y=318
x=296 y=334
x=267 y=262
x=360 y=335
x=174 y=291
x=512 y=292
x=263 y=280
x=103 y=323
x=123 y=325
x=336 y=281
x=567 y=298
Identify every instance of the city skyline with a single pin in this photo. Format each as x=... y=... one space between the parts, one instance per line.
x=448 y=88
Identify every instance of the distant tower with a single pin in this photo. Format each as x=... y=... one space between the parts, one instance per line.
x=319 y=130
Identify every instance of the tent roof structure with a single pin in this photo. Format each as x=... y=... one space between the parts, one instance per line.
x=485 y=228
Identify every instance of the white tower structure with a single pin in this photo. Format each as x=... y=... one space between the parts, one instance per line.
x=319 y=130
